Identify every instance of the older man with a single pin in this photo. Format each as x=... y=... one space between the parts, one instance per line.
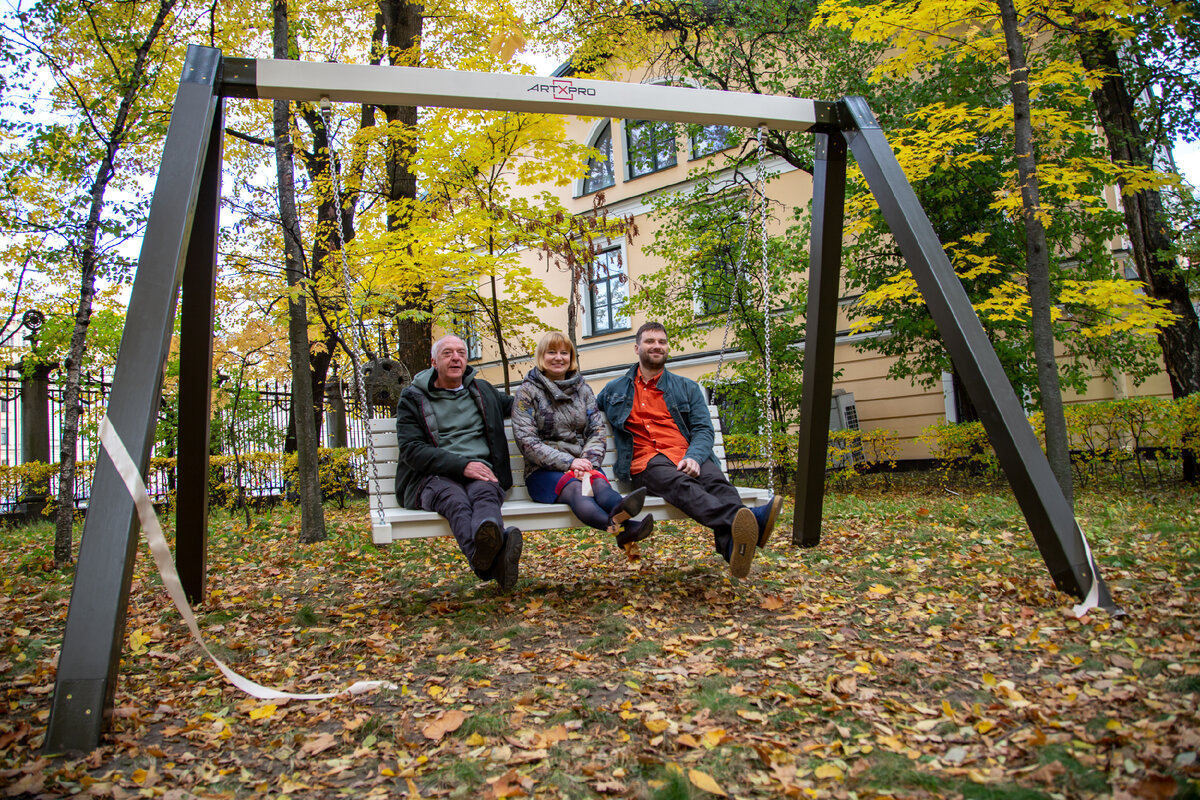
x=454 y=459
x=664 y=440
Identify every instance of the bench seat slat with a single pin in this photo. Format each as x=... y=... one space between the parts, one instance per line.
x=402 y=523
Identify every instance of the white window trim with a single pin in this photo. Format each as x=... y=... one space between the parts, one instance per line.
x=950 y=398
x=581 y=183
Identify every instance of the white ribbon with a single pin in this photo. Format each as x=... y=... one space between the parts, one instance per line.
x=1093 y=596
x=166 y=568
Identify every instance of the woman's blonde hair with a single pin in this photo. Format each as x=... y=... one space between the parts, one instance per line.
x=559 y=340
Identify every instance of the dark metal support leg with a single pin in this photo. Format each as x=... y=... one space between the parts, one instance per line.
x=95 y=629
x=824 y=277
x=197 y=307
x=1050 y=517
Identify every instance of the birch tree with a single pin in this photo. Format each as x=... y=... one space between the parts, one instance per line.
x=101 y=65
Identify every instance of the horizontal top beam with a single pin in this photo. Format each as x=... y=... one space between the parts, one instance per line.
x=446 y=88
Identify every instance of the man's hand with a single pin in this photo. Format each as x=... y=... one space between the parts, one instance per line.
x=581 y=467
x=479 y=471
x=690 y=467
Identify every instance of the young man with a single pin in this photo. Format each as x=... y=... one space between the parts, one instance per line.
x=664 y=440
x=454 y=459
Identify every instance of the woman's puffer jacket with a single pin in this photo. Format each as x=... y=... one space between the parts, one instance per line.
x=555 y=422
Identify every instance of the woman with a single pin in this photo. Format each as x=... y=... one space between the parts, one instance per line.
x=561 y=433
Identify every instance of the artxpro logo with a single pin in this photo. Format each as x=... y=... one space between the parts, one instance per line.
x=563 y=89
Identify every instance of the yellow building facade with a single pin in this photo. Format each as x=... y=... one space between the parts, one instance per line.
x=605 y=333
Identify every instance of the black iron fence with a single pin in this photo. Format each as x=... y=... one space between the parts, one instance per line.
x=249 y=431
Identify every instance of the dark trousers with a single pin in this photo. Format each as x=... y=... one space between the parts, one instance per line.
x=465 y=504
x=594 y=511
x=709 y=499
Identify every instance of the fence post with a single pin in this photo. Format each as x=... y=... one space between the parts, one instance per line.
x=35 y=434
x=335 y=417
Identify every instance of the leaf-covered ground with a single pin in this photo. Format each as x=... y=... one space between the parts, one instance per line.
x=920 y=651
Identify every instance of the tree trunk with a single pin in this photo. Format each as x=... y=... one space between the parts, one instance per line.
x=312 y=515
x=498 y=330
x=1149 y=231
x=573 y=315
x=402 y=24
x=333 y=231
x=89 y=263
x=1037 y=257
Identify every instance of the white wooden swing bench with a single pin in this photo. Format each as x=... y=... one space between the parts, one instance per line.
x=397 y=522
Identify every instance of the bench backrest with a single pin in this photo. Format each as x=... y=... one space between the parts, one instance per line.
x=383 y=438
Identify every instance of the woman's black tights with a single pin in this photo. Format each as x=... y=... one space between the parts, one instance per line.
x=593 y=511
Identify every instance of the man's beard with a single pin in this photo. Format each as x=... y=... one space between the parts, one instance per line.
x=652 y=360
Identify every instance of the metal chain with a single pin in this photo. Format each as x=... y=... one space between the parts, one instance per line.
x=766 y=278
x=759 y=187
x=359 y=380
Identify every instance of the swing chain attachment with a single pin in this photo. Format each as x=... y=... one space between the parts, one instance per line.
x=758 y=187
x=360 y=383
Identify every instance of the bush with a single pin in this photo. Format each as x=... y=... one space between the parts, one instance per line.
x=1108 y=439
x=849 y=453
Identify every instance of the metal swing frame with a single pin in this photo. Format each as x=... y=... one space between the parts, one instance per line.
x=179 y=250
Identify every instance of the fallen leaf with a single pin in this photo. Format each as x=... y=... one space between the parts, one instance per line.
x=263 y=712
x=318 y=744
x=705 y=782
x=510 y=784
x=610 y=787
x=445 y=722
x=827 y=771
x=1156 y=787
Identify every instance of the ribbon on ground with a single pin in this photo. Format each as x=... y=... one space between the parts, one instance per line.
x=1093 y=596
x=128 y=471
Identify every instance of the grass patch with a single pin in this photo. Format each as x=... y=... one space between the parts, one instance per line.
x=713 y=694
x=887 y=771
x=643 y=649
x=672 y=785
x=485 y=725
x=1189 y=684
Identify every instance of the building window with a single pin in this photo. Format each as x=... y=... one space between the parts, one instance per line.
x=717 y=281
x=712 y=139
x=600 y=167
x=465 y=328
x=607 y=291
x=650 y=146
x=959 y=407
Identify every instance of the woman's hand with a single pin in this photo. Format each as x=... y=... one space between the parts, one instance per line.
x=581 y=467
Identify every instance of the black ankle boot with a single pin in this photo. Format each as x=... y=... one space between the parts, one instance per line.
x=630 y=506
x=635 y=530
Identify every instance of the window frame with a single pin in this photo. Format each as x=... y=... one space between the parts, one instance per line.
x=607 y=167
x=656 y=129
x=696 y=152
x=704 y=299
x=619 y=320
x=462 y=325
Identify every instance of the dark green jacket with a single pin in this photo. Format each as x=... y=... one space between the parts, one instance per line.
x=417 y=436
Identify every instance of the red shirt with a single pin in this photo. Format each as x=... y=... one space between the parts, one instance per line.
x=654 y=430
